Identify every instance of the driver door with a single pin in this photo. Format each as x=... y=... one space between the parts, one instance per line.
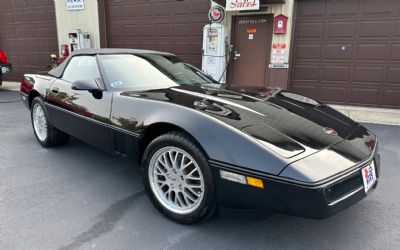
x=80 y=113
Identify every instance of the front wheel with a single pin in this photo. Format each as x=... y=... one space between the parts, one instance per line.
x=177 y=178
x=47 y=135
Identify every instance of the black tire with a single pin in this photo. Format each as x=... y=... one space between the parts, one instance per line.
x=207 y=207
x=1 y=78
x=54 y=137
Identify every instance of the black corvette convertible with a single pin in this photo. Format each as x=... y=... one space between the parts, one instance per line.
x=200 y=144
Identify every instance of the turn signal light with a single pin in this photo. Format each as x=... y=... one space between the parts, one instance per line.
x=254 y=182
x=246 y=180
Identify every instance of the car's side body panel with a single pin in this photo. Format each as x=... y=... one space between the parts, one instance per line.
x=81 y=113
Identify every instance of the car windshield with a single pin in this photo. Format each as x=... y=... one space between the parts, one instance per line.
x=150 y=71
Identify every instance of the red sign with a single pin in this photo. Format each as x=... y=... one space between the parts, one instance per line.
x=251 y=30
x=216 y=14
x=280 y=24
x=279 y=45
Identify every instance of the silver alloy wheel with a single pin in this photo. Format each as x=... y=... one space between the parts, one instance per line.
x=39 y=122
x=176 y=180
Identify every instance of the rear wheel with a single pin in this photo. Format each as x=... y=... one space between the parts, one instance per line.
x=47 y=135
x=178 y=179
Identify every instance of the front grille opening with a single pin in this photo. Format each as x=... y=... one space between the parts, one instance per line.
x=344 y=187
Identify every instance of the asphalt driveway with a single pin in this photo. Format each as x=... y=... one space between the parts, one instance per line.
x=77 y=197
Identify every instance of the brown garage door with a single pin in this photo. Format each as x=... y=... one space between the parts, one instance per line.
x=164 y=25
x=348 y=51
x=28 y=35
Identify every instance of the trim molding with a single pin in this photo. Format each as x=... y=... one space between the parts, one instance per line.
x=93 y=120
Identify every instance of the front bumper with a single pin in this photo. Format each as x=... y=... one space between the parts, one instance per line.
x=279 y=195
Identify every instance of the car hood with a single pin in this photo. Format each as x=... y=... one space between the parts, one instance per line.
x=287 y=126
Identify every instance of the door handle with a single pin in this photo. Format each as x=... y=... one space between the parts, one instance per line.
x=55 y=90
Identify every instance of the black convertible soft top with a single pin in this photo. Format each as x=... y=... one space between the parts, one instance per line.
x=57 y=72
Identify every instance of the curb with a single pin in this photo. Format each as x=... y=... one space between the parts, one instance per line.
x=370 y=115
x=10 y=85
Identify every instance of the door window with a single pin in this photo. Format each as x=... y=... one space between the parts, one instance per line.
x=81 y=68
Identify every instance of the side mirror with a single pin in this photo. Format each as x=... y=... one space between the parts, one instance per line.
x=88 y=84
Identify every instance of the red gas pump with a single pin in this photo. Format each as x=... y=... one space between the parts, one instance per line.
x=3 y=57
x=64 y=53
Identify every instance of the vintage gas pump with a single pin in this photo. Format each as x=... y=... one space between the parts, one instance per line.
x=214 y=51
x=79 y=40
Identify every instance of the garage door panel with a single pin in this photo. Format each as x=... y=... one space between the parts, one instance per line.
x=310 y=30
x=342 y=51
x=378 y=7
x=115 y=11
x=182 y=8
x=158 y=25
x=198 y=7
x=396 y=28
x=164 y=30
x=375 y=29
x=341 y=29
x=312 y=8
x=342 y=7
x=391 y=98
x=306 y=90
x=335 y=73
x=181 y=29
x=131 y=30
x=332 y=94
x=353 y=45
x=372 y=51
x=147 y=30
x=393 y=75
x=395 y=52
x=164 y=46
x=31 y=35
x=305 y=73
x=144 y=10
x=364 y=96
x=163 y=9
x=368 y=74
x=305 y=51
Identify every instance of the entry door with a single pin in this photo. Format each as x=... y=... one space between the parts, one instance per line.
x=252 y=36
x=80 y=113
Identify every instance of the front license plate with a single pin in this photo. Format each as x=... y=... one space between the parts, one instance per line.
x=369 y=176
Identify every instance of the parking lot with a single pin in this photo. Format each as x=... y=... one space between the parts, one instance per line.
x=77 y=197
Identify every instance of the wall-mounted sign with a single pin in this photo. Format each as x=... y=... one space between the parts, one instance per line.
x=237 y=5
x=216 y=14
x=280 y=24
x=278 y=53
x=75 y=5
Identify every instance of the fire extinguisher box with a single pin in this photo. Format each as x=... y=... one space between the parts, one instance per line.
x=280 y=24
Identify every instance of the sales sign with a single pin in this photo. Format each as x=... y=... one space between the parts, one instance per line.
x=75 y=5
x=237 y=5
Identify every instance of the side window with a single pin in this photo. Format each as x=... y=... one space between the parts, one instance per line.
x=81 y=68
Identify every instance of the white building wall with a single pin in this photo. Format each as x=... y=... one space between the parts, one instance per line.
x=86 y=20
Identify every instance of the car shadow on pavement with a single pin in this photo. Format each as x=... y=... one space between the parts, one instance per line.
x=106 y=221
